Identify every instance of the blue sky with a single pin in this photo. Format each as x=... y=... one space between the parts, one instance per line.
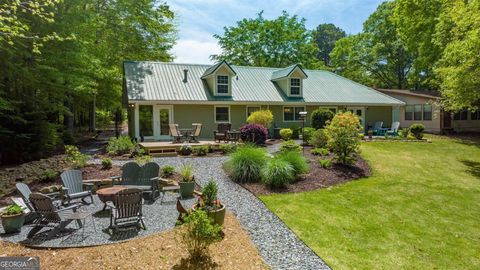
x=198 y=20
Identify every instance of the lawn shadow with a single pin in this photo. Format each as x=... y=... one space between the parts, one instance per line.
x=473 y=167
x=471 y=139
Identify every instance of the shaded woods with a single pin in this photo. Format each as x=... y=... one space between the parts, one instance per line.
x=62 y=60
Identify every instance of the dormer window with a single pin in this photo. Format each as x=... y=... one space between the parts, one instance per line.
x=222 y=84
x=295 y=85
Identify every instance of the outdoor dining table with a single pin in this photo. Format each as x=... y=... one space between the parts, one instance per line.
x=186 y=132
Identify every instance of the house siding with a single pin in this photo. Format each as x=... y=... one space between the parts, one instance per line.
x=432 y=126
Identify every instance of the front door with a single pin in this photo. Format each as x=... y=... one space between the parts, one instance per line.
x=360 y=112
x=163 y=118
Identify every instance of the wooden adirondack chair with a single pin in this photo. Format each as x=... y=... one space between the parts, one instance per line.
x=175 y=133
x=126 y=209
x=144 y=178
x=25 y=192
x=49 y=215
x=196 y=133
x=75 y=188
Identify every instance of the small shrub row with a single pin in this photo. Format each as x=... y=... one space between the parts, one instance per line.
x=119 y=146
x=228 y=148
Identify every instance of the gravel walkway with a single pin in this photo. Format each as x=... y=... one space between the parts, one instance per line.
x=278 y=245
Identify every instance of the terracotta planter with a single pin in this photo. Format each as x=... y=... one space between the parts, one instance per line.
x=218 y=215
x=14 y=223
x=186 y=189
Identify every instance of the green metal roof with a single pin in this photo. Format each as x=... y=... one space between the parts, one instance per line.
x=285 y=72
x=160 y=81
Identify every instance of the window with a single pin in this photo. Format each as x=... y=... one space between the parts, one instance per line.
x=409 y=112
x=251 y=110
x=417 y=113
x=427 y=112
x=475 y=115
x=294 y=86
x=145 y=118
x=461 y=115
x=292 y=113
x=222 y=114
x=222 y=84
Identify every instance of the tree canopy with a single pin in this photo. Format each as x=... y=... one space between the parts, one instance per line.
x=326 y=35
x=269 y=43
x=62 y=59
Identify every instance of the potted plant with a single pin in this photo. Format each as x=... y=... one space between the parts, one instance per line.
x=370 y=134
x=185 y=150
x=209 y=203
x=12 y=218
x=187 y=185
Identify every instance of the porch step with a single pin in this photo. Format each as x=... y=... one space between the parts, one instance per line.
x=162 y=152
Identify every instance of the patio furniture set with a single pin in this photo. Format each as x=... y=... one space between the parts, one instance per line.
x=124 y=200
x=223 y=133
x=379 y=130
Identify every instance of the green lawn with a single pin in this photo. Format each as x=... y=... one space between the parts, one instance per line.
x=419 y=210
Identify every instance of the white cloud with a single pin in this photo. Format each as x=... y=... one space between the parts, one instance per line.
x=195 y=51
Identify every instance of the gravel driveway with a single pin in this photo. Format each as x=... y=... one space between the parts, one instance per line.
x=278 y=245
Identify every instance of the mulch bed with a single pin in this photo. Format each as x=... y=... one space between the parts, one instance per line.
x=318 y=177
x=160 y=251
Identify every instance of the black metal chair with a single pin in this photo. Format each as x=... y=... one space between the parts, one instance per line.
x=221 y=133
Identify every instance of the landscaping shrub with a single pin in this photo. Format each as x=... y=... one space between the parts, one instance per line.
x=417 y=131
x=209 y=148
x=343 y=137
x=245 y=164
x=325 y=163
x=75 y=157
x=296 y=159
x=119 y=146
x=320 y=151
x=167 y=170
x=290 y=146
x=228 y=148
x=143 y=159
x=254 y=133
x=308 y=133
x=320 y=117
x=296 y=131
x=210 y=191
x=319 y=139
x=286 y=134
x=185 y=150
x=277 y=173
x=48 y=175
x=106 y=163
x=403 y=133
x=200 y=150
x=200 y=232
x=263 y=117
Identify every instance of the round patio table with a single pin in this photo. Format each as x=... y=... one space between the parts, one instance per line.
x=106 y=194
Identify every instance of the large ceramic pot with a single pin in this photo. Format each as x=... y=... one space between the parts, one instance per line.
x=218 y=215
x=186 y=189
x=13 y=223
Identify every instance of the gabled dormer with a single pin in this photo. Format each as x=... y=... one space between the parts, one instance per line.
x=290 y=80
x=219 y=78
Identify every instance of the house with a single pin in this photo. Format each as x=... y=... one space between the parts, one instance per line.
x=158 y=93
x=424 y=108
